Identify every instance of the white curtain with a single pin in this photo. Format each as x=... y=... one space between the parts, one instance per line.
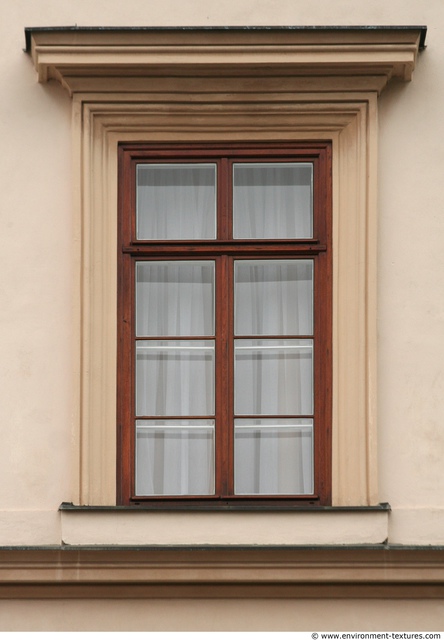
x=176 y=201
x=175 y=457
x=175 y=377
x=273 y=297
x=274 y=300
x=272 y=200
x=273 y=376
x=273 y=323
x=175 y=298
x=274 y=456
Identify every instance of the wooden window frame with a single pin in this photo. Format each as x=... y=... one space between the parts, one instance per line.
x=224 y=250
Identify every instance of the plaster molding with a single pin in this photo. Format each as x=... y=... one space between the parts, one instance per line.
x=72 y=56
x=215 y=572
x=178 y=528
x=351 y=123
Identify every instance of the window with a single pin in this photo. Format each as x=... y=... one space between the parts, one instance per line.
x=224 y=321
x=169 y=85
x=283 y=84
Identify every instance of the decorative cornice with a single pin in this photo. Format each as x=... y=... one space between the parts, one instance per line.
x=95 y=59
x=248 y=572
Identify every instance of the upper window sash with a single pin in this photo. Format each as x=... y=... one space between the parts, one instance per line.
x=222 y=195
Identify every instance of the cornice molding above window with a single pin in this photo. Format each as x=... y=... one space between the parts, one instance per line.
x=87 y=59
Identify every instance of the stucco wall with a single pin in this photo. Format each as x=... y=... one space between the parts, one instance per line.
x=229 y=615
x=38 y=265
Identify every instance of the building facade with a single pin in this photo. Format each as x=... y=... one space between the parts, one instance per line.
x=151 y=154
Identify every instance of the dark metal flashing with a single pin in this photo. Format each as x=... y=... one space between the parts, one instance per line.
x=372 y=549
x=423 y=30
x=69 y=506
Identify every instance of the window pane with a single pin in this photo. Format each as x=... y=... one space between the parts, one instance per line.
x=273 y=457
x=174 y=378
x=176 y=201
x=175 y=298
x=272 y=200
x=174 y=457
x=273 y=297
x=273 y=377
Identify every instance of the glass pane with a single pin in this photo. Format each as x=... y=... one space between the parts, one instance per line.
x=273 y=457
x=273 y=377
x=273 y=200
x=174 y=457
x=273 y=297
x=175 y=298
x=174 y=378
x=176 y=201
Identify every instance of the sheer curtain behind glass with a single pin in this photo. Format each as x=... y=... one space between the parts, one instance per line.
x=273 y=200
x=175 y=299
x=176 y=201
x=175 y=377
x=273 y=334
x=273 y=306
x=274 y=456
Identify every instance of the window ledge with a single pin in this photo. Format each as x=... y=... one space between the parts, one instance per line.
x=123 y=526
x=69 y=506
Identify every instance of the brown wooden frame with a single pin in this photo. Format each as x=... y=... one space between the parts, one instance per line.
x=223 y=250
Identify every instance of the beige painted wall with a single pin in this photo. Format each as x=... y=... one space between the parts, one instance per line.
x=227 y=615
x=38 y=266
x=36 y=300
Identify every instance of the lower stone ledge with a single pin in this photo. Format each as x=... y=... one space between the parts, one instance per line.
x=332 y=526
x=222 y=572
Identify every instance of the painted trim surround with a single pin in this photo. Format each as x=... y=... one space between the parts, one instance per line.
x=173 y=85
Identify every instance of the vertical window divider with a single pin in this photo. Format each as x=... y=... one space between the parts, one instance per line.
x=223 y=377
x=230 y=372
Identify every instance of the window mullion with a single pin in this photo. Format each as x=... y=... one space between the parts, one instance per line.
x=224 y=223
x=223 y=383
